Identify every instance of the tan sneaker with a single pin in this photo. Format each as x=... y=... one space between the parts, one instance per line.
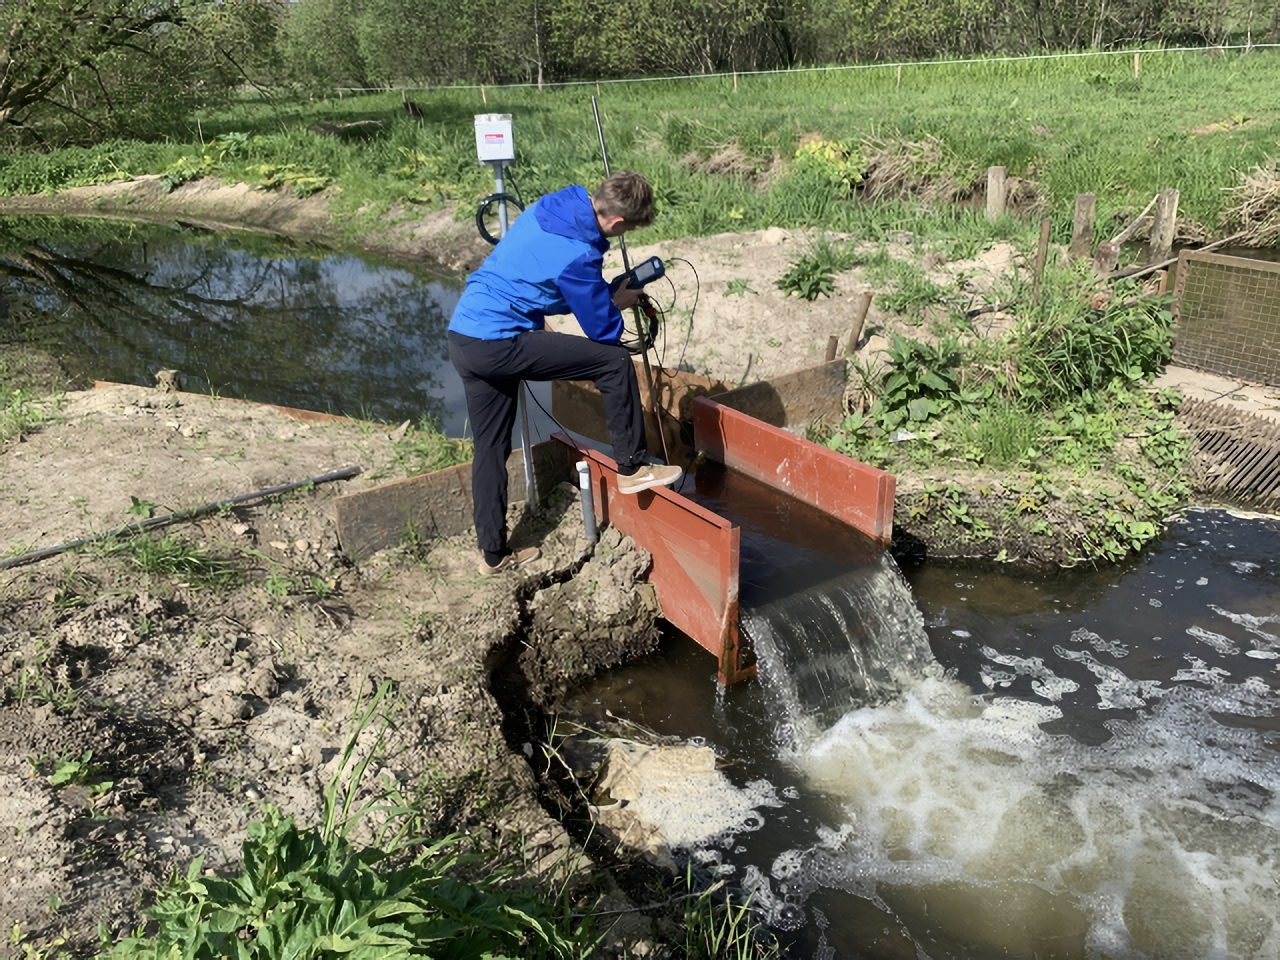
x=649 y=475
x=510 y=561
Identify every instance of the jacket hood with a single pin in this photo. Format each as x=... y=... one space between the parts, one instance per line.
x=568 y=213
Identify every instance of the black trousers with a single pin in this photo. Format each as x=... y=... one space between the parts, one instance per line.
x=491 y=372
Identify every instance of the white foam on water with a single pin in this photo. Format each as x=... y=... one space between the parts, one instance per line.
x=1251 y=623
x=1164 y=841
x=1223 y=645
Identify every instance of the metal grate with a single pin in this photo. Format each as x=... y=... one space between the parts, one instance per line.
x=1238 y=453
x=1228 y=311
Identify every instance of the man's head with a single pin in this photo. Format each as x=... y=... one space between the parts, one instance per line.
x=622 y=202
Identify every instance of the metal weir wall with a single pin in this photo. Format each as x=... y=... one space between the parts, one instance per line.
x=695 y=553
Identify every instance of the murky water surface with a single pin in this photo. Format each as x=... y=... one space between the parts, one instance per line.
x=1091 y=772
x=241 y=315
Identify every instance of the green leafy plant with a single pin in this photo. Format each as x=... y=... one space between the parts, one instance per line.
x=312 y=893
x=921 y=383
x=64 y=771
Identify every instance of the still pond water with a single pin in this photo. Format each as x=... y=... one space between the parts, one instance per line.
x=1091 y=772
x=242 y=315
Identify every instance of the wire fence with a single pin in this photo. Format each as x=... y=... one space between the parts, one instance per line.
x=1228 y=316
x=798 y=71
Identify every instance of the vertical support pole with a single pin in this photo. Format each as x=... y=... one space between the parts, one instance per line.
x=530 y=484
x=859 y=319
x=996 y=192
x=1042 y=254
x=588 y=501
x=1163 y=226
x=1082 y=226
x=899 y=87
x=833 y=344
x=1136 y=57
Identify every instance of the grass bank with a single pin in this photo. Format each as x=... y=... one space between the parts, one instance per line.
x=753 y=151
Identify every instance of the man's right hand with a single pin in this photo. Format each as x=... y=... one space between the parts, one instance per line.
x=624 y=298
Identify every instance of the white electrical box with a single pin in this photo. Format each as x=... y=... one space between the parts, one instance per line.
x=493 y=137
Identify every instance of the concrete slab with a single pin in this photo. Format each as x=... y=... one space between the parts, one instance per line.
x=1261 y=401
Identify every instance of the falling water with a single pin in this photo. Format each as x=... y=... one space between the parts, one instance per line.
x=848 y=641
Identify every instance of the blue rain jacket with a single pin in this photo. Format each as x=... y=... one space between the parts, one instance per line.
x=548 y=263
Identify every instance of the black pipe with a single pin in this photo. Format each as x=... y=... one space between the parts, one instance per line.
x=173 y=517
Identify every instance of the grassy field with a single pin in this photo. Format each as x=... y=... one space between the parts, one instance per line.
x=737 y=153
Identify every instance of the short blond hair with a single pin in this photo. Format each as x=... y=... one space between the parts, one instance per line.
x=625 y=194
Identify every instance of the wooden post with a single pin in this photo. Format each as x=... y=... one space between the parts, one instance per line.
x=1082 y=226
x=859 y=318
x=1105 y=258
x=833 y=344
x=1042 y=254
x=996 y=192
x=899 y=76
x=735 y=81
x=482 y=96
x=1136 y=56
x=1163 y=226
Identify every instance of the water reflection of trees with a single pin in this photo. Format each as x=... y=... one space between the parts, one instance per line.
x=306 y=328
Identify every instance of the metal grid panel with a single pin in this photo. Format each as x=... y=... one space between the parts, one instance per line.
x=1228 y=316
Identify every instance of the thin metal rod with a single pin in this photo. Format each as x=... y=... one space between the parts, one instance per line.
x=173 y=518
x=530 y=487
x=635 y=310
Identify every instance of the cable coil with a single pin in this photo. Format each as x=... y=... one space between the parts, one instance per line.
x=485 y=204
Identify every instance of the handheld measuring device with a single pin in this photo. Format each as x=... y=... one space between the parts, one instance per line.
x=640 y=274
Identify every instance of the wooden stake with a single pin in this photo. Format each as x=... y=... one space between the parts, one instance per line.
x=1082 y=226
x=997 y=190
x=482 y=96
x=1042 y=254
x=1163 y=226
x=859 y=319
x=833 y=344
x=735 y=81
x=899 y=76
x=1136 y=56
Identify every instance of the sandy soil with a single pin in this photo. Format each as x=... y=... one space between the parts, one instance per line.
x=188 y=707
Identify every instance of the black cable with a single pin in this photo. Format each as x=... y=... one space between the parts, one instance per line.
x=573 y=443
x=484 y=206
x=697 y=291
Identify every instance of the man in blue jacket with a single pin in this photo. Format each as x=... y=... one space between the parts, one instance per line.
x=549 y=263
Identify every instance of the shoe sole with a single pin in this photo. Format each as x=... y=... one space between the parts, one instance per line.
x=647 y=484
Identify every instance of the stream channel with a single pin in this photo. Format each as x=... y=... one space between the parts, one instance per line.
x=1079 y=764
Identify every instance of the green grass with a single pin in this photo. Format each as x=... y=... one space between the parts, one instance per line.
x=171 y=555
x=1192 y=120
x=19 y=414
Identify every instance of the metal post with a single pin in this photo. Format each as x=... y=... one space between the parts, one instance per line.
x=530 y=487
x=499 y=187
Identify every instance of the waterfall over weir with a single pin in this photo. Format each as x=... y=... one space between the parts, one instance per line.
x=848 y=641
x=825 y=610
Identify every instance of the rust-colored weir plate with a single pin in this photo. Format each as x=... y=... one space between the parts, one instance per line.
x=695 y=559
x=857 y=494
